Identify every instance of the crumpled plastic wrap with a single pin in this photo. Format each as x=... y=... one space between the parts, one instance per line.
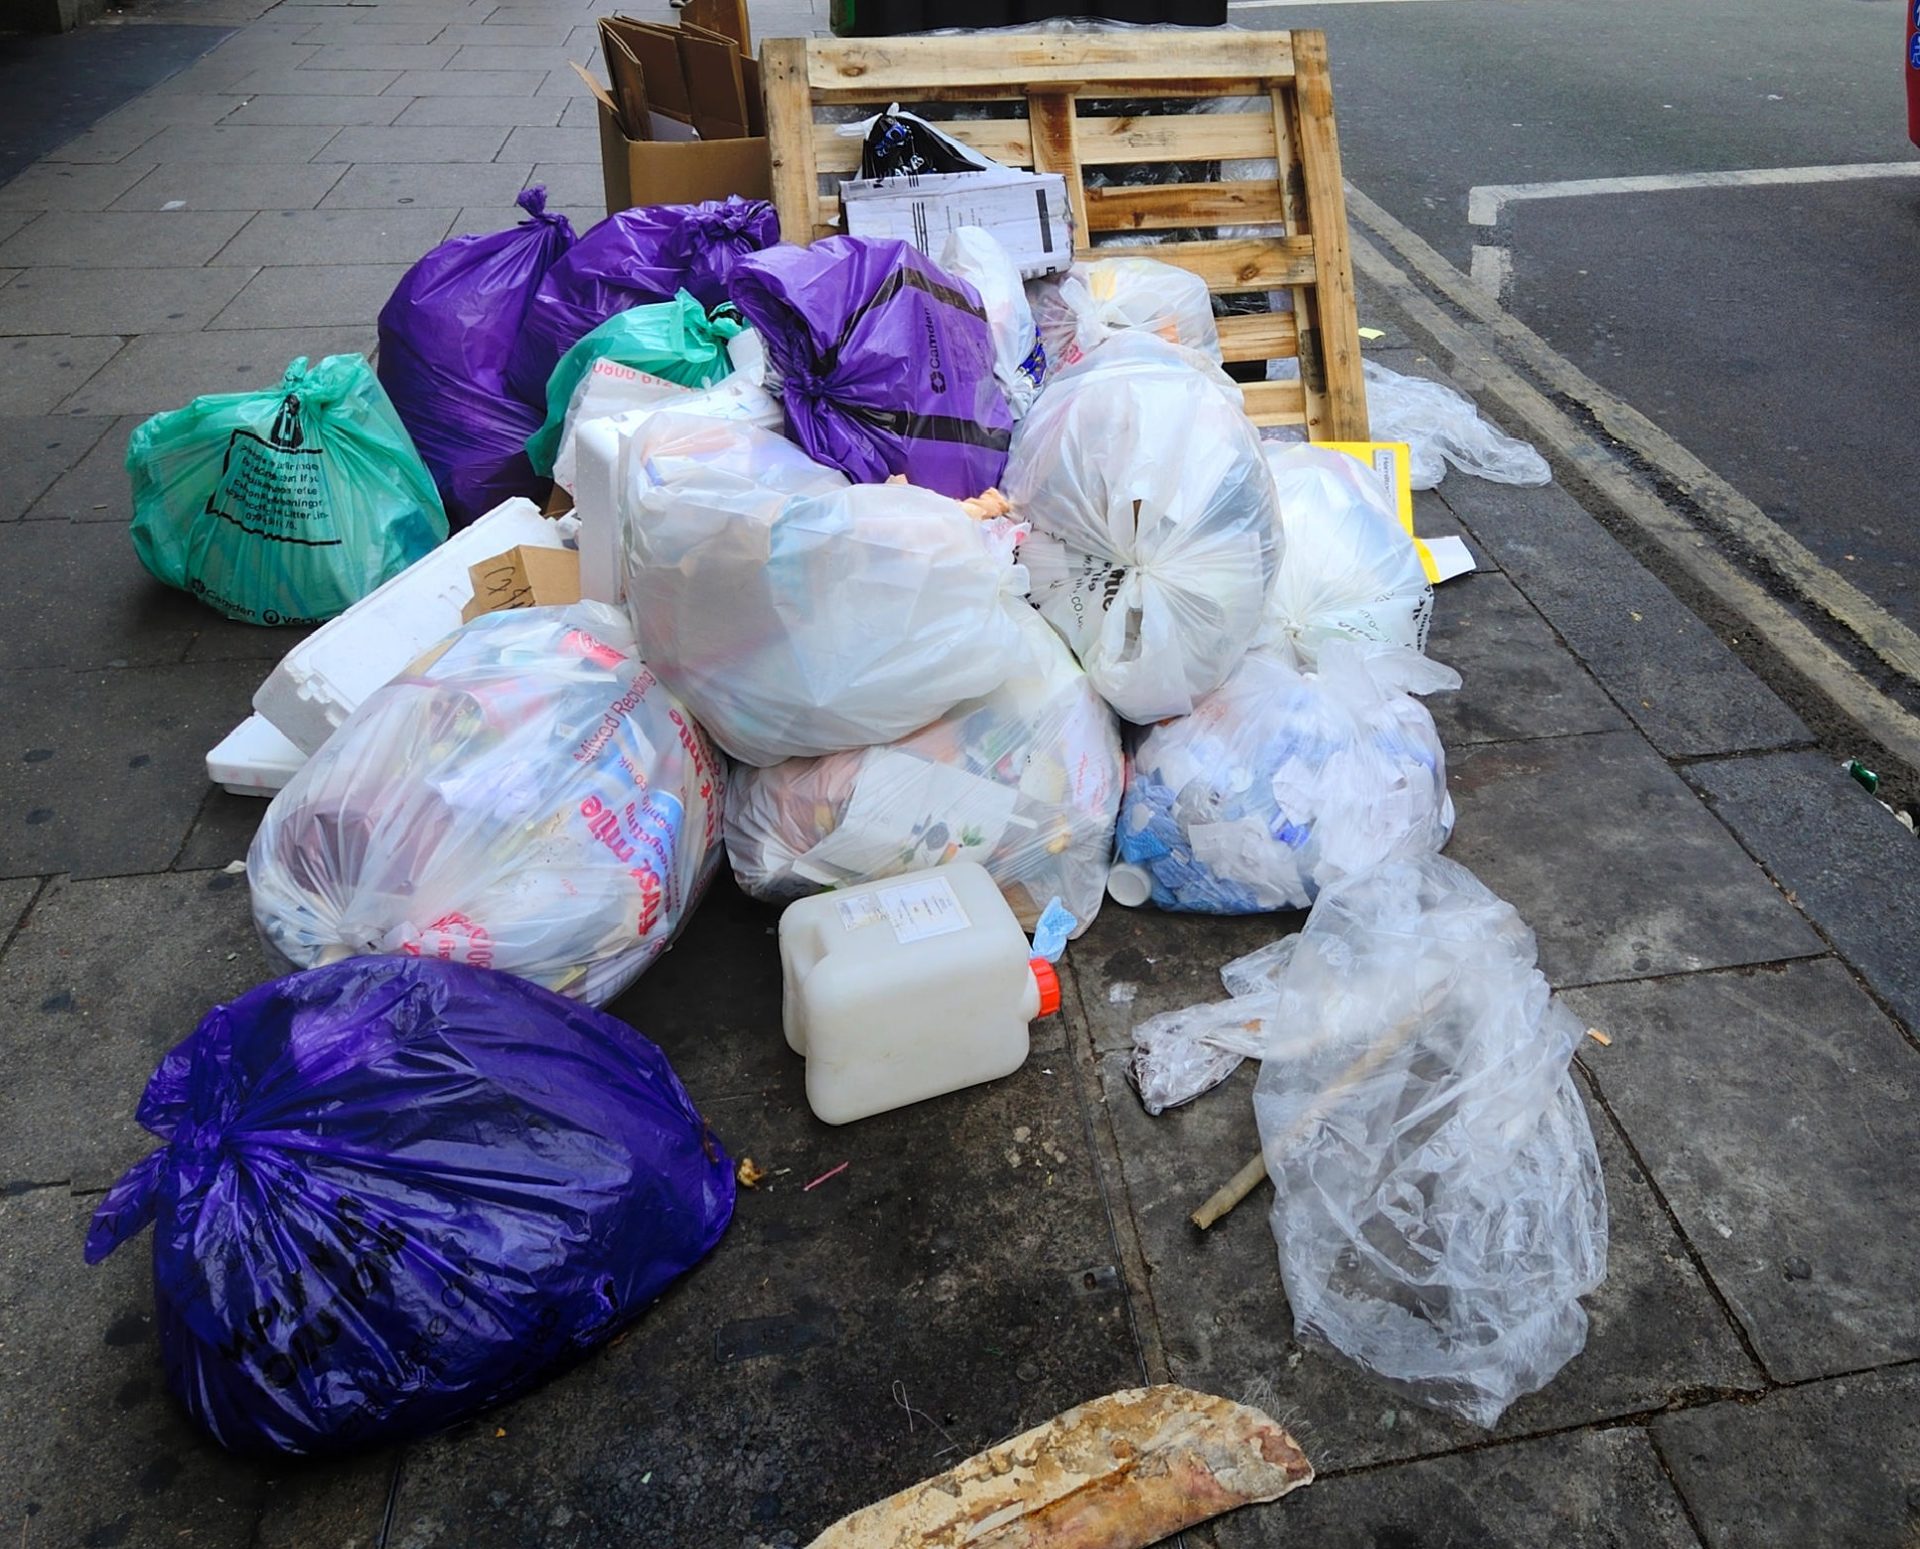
x=1154 y=532
x=1098 y=299
x=1438 y=1201
x=1442 y=426
x=1025 y=780
x=1348 y=569
x=1178 y=1055
x=532 y=799
x=974 y=255
x=796 y=614
x=1284 y=781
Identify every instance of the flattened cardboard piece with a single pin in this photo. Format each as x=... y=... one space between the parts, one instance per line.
x=523 y=577
x=727 y=17
x=711 y=65
x=657 y=47
x=629 y=84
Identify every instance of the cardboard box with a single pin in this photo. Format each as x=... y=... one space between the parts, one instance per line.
x=662 y=171
x=1026 y=212
x=523 y=577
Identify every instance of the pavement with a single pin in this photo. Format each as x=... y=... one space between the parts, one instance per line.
x=1706 y=885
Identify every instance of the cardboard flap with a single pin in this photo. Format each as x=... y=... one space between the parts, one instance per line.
x=523 y=577
x=727 y=17
x=716 y=87
x=600 y=93
x=656 y=48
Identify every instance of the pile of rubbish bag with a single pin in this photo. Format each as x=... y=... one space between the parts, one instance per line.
x=876 y=563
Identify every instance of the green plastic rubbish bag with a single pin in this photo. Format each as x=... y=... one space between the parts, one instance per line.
x=284 y=506
x=673 y=340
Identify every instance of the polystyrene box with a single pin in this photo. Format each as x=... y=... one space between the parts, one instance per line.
x=326 y=677
x=254 y=759
x=905 y=989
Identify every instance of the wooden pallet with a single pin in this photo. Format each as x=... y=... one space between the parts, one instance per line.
x=1063 y=87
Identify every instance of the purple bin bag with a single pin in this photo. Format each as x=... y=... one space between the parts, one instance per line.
x=885 y=361
x=633 y=259
x=445 y=336
x=396 y=1190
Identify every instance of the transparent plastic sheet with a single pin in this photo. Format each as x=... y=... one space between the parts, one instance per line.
x=1019 y=358
x=796 y=614
x=1348 y=569
x=1438 y=1201
x=1098 y=299
x=1444 y=427
x=1025 y=780
x=1179 y=1055
x=530 y=799
x=1154 y=535
x=1284 y=781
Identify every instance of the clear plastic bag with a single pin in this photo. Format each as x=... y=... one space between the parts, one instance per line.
x=1444 y=427
x=1019 y=360
x=1154 y=531
x=1348 y=569
x=1438 y=1201
x=1284 y=781
x=796 y=614
x=1025 y=780
x=1100 y=298
x=530 y=799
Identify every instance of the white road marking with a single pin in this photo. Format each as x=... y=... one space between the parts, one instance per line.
x=1492 y=270
x=1485 y=204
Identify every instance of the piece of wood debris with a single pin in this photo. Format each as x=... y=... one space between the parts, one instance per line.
x=1600 y=1038
x=749 y=1173
x=1120 y=1472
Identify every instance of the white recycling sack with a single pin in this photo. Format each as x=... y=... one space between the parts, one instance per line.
x=1438 y=1201
x=1099 y=299
x=1025 y=780
x=1348 y=569
x=1284 y=781
x=1154 y=533
x=974 y=254
x=617 y=393
x=531 y=799
x=798 y=614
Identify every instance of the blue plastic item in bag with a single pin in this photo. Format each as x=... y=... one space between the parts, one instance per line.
x=445 y=337
x=395 y=1191
x=885 y=362
x=631 y=259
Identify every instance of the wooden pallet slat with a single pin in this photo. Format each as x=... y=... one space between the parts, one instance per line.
x=1289 y=230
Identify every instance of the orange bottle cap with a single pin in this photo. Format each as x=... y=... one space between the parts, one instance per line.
x=1049 y=982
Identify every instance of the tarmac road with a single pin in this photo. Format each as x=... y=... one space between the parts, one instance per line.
x=1770 y=330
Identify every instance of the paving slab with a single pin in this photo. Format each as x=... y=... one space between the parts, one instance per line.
x=249 y=146
x=1597 y=1489
x=163 y=371
x=96 y=1452
x=13 y=220
x=488 y=112
x=104 y=143
x=385 y=187
x=571 y=184
x=1615 y=863
x=161 y=109
x=293 y=237
x=470 y=83
x=223 y=831
x=57 y=186
x=111 y=765
x=121 y=239
x=36 y=450
x=312 y=296
x=374 y=34
x=1518 y=680
x=380 y=56
x=433 y=145
x=1657 y=1334
x=758 y=1398
x=550 y=146
x=315 y=83
x=16 y=896
x=115 y=301
x=315 y=110
x=1832 y=1463
x=556 y=33
x=1779 y=1114
x=231 y=186
x=36 y=373
x=1851 y=867
x=96 y=488
x=1685 y=689
x=553 y=60
x=95 y=994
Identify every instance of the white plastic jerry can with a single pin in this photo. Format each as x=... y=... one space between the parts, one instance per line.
x=908 y=988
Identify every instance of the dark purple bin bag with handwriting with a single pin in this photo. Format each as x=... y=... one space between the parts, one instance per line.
x=395 y=1191
x=885 y=362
